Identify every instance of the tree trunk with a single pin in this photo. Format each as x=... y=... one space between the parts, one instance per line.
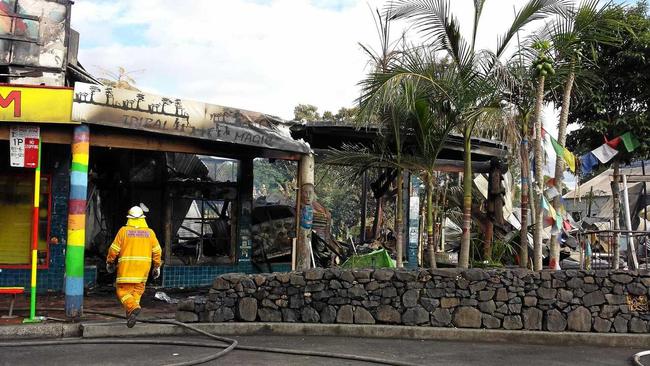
x=430 y=236
x=539 y=178
x=616 y=208
x=463 y=257
x=488 y=239
x=523 y=242
x=554 y=262
x=399 y=219
x=377 y=221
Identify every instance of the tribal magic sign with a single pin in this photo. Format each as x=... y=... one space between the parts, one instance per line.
x=129 y=109
x=35 y=104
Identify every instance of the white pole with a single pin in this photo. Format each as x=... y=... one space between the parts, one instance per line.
x=631 y=251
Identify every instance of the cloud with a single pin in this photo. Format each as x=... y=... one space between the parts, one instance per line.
x=262 y=55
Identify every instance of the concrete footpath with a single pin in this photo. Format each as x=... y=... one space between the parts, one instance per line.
x=104 y=329
x=112 y=329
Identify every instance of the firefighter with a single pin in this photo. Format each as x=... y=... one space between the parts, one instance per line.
x=134 y=248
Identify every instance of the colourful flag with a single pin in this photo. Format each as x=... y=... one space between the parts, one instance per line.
x=558 y=221
x=604 y=153
x=564 y=153
x=551 y=193
x=544 y=203
x=570 y=159
x=550 y=182
x=588 y=162
x=614 y=142
x=630 y=141
x=548 y=207
x=559 y=149
x=548 y=221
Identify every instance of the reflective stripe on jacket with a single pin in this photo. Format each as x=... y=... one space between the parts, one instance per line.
x=134 y=249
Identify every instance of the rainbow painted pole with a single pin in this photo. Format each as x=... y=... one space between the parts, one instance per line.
x=37 y=199
x=74 y=255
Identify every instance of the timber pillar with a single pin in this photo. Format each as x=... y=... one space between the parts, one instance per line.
x=305 y=214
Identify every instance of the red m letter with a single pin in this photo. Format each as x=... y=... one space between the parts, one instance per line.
x=12 y=97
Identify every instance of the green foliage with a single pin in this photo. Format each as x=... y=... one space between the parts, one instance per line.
x=306 y=112
x=340 y=192
x=273 y=178
x=619 y=102
x=328 y=116
x=503 y=252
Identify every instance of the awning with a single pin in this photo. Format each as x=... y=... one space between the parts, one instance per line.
x=128 y=109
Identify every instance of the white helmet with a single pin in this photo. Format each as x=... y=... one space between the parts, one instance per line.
x=135 y=213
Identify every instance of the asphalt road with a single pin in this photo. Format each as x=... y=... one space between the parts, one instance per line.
x=419 y=352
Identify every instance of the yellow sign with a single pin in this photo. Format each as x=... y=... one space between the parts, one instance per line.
x=35 y=104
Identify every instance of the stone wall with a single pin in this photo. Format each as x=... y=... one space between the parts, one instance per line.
x=571 y=300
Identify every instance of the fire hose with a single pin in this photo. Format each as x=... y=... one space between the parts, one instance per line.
x=637 y=357
x=228 y=344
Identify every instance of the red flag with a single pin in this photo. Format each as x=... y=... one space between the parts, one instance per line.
x=567 y=225
x=614 y=142
x=550 y=182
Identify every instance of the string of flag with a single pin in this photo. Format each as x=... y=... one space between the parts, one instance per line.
x=603 y=154
x=607 y=151
x=559 y=219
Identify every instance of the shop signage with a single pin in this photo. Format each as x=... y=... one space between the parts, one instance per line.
x=102 y=105
x=35 y=104
x=23 y=146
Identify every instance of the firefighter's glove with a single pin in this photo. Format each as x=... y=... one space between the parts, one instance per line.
x=156 y=272
x=110 y=267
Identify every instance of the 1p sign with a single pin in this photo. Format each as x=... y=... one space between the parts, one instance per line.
x=23 y=146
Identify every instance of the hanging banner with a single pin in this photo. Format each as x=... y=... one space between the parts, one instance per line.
x=35 y=104
x=103 y=105
x=23 y=146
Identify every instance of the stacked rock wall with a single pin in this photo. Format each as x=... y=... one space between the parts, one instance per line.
x=583 y=301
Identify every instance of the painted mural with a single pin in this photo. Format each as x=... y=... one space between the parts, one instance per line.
x=95 y=104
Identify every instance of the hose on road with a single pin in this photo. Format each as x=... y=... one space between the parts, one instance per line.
x=228 y=345
x=637 y=358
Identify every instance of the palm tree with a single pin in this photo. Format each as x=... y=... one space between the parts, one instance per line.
x=109 y=94
x=140 y=98
x=474 y=96
x=389 y=116
x=164 y=102
x=93 y=90
x=179 y=106
x=575 y=35
x=521 y=95
x=543 y=66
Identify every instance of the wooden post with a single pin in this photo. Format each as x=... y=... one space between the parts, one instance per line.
x=305 y=212
x=245 y=210
x=364 y=206
x=167 y=224
x=632 y=262
x=615 y=212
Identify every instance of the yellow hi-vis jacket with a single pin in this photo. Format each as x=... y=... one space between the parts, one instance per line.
x=135 y=248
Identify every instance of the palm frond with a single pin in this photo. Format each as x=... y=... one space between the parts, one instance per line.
x=533 y=10
x=478 y=9
x=434 y=19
